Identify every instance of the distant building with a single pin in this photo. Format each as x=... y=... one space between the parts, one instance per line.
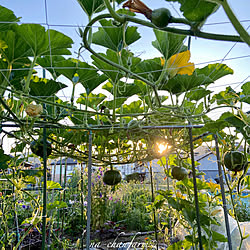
x=59 y=168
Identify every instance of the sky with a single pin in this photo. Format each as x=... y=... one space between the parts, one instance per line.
x=67 y=15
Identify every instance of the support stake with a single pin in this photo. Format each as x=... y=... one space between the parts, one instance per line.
x=89 y=192
x=223 y=193
x=44 y=188
x=195 y=188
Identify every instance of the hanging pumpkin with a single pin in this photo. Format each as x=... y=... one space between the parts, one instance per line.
x=234 y=161
x=37 y=147
x=112 y=177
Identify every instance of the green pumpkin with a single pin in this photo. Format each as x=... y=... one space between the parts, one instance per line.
x=37 y=147
x=234 y=160
x=161 y=17
x=112 y=177
x=179 y=173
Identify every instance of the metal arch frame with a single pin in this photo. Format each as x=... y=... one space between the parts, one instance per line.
x=88 y=229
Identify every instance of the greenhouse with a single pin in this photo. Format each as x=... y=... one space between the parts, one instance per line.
x=124 y=124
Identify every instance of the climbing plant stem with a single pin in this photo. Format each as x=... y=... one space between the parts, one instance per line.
x=235 y=22
x=212 y=36
x=27 y=82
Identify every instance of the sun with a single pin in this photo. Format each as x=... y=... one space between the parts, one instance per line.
x=162 y=147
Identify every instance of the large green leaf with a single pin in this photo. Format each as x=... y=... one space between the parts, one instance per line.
x=117 y=103
x=4 y=160
x=182 y=83
x=86 y=74
x=196 y=10
x=142 y=86
x=218 y=125
x=49 y=63
x=197 y=93
x=168 y=44
x=41 y=42
x=111 y=36
x=52 y=185
x=93 y=99
x=245 y=97
x=44 y=87
x=57 y=205
x=132 y=108
x=240 y=125
x=150 y=69
x=229 y=96
x=6 y=18
x=125 y=58
x=14 y=49
x=68 y=67
x=91 y=6
x=31 y=172
x=215 y=71
x=89 y=77
x=123 y=89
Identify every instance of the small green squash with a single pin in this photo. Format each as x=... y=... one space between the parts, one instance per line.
x=234 y=160
x=37 y=147
x=179 y=173
x=161 y=17
x=112 y=177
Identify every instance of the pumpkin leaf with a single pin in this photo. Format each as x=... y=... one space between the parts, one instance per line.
x=215 y=71
x=229 y=97
x=150 y=69
x=245 y=97
x=240 y=125
x=41 y=42
x=7 y=18
x=4 y=160
x=53 y=185
x=44 y=87
x=57 y=205
x=124 y=58
x=217 y=125
x=123 y=89
x=49 y=63
x=14 y=49
x=218 y=237
x=111 y=36
x=182 y=83
x=168 y=44
x=93 y=99
x=132 y=108
x=198 y=93
x=117 y=103
x=90 y=7
x=196 y=10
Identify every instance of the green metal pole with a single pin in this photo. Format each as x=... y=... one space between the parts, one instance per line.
x=89 y=191
x=64 y=186
x=44 y=188
x=82 y=201
x=60 y=180
x=195 y=188
x=153 y=199
x=223 y=193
